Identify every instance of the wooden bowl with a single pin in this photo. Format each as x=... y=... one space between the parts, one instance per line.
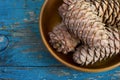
x=49 y=18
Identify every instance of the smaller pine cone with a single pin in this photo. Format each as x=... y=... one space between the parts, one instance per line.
x=82 y=21
x=109 y=11
x=85 y=55
x=61 y=40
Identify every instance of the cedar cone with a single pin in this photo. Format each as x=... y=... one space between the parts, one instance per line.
x=61 y=40
x=85 y=55
x=82 y=21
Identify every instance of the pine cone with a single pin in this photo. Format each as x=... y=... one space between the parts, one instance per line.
x=82 y=21
x=108 y=10
x=61 y=40
x=85 y=55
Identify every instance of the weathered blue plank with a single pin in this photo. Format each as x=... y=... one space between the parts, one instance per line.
x=11 y=4
x=20 y=25
x=54 y=73
x=25 y=47
x=19 y=11
x=7 y=4
x=25 y=16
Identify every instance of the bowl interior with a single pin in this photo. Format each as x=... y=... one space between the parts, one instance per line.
x=49 y=18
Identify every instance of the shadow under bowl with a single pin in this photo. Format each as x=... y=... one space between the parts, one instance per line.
x=49 y=18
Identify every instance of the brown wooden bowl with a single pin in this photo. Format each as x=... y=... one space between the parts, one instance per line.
x=49 y=18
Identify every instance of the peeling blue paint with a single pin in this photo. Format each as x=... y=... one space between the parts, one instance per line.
x=4 y=41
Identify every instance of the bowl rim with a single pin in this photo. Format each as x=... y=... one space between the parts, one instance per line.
x=58 y=58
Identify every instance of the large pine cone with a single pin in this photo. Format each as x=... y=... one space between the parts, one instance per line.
x=85 y=55
x=61 y=40
x=108 y=10
x=82 y=21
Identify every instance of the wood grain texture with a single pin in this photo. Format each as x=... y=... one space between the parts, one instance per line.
x=53 y=73
x=26 y=57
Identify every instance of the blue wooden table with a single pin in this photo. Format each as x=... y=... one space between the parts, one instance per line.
x=23 y=55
